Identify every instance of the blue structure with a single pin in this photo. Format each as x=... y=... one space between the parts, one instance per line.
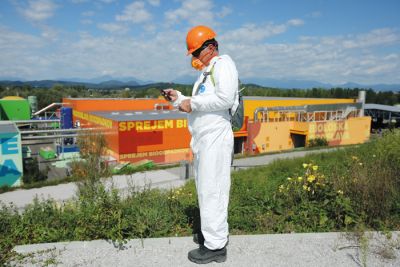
x=66 y=118
x=11 y=169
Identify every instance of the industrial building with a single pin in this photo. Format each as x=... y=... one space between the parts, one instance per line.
x=151 y=129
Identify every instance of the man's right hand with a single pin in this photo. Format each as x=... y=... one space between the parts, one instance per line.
x=170 y=94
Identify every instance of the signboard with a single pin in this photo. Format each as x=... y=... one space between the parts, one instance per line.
x=10 y=155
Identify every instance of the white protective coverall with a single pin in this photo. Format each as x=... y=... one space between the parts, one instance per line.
x=212 y=146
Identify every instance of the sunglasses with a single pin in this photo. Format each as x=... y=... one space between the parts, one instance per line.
x=197 y=52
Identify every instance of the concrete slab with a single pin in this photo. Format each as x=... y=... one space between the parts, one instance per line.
x=314 y=249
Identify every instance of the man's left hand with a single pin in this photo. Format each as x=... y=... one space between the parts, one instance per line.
x=185 y=106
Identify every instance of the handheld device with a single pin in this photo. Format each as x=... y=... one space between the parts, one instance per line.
x=166 y=94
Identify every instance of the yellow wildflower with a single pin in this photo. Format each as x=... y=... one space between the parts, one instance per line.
x=289 y=179
x=354 y=157
x=300 y=178
x=305 y=165
x=315 y=167
x=305 y=187
x=281 y=187
x=311 y=178
x=340 y=192
x=360 y=164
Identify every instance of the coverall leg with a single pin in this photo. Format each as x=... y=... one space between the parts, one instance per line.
x=212 y=174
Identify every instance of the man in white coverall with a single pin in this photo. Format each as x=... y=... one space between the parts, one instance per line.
x=214 y=94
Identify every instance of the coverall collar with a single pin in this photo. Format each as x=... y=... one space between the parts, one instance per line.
x=215 y=58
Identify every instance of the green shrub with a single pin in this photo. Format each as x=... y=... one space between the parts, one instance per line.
x=32 y=173
x=310 y=202
x=317 y=142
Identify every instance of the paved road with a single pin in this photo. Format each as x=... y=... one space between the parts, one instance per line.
x=168 y=178
x=308 y=250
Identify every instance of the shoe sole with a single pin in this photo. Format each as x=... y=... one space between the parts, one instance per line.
x=218 y=259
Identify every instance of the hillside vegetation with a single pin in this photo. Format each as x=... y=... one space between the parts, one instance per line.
x=55 y=94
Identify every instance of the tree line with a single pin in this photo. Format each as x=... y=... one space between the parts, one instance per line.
x=46 y=96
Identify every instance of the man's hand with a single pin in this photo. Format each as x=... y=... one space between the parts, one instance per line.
x=185 y=106
x=169 y=94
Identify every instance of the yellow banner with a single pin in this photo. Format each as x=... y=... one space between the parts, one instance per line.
x=142 y=126
x=93 y=119
x=153 y=153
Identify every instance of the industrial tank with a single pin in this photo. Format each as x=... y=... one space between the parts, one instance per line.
x=33 y=103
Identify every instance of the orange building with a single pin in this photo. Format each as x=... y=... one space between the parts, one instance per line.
x=138 y=129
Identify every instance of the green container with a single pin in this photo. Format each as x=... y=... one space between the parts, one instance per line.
x=126 y=167
x=118 y=169
x=47 y=153
x=14 y=109
x=145 y=163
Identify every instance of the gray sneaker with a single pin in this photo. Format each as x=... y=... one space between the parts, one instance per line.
x=204 y=255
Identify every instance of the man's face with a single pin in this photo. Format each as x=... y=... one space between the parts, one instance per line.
x=204 y=53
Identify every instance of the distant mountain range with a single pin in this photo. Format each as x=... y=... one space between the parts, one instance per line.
x=50 y=83
x=107 y=82
x=308 y=84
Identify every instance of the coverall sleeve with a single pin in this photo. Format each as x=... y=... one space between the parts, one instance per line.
x=180 y=98
x=226 y=85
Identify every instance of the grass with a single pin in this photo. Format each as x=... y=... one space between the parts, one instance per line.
x=339 y=190
x=69 y=179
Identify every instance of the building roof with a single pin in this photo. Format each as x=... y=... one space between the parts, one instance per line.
x=141 y=115
x=382 y=107
x=8 y=127
x=278 y=98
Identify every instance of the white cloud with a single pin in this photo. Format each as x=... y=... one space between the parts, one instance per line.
x=38 y=10
x=16 y=40
x=374 y=38
x=251 y=33
x=295 y=22
x=79 y=1
x=154 y=2
x=160 y=56
x=89 y=13
x=331 y=59
x=114 y=28
x=86 y=21
x=225 y=11
x=135 y=13
x=193 y=11
x=18 y=53
x=49 y=33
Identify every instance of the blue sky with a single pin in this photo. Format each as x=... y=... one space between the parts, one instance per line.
x=331 y=41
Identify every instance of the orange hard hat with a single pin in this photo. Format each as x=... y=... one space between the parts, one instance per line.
x=197 y=36
x=197 y=64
